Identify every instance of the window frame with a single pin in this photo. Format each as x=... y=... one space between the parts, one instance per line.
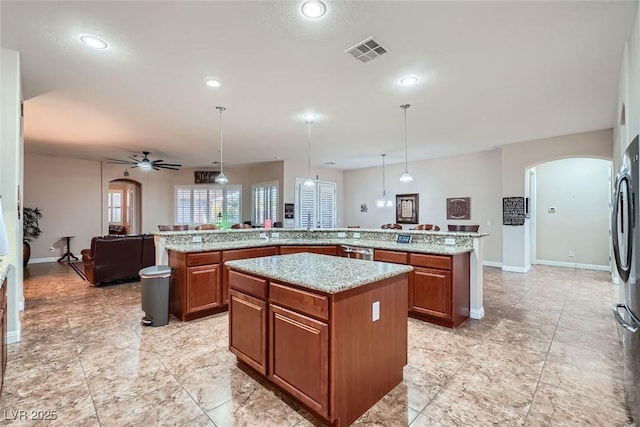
x=271 y=212
x=225 y=189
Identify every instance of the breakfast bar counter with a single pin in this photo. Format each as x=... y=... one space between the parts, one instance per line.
x=331 y=332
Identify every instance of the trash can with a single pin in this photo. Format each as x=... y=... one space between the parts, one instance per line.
x=155 y=294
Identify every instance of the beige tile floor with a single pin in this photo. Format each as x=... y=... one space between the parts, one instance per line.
x=548 y=352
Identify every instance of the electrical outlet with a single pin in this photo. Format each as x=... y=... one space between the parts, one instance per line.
x=572 y=254
x=449 y=241
x=275 y=235
x=342 y=234
x=197 y=239
x=375 y=311
x=263 y=235
x=356 y=235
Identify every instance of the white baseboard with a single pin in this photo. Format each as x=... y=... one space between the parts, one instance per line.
x=492 y=264
x=21 y=304
x=42 y=260
x=615 y=279
x=514 y=269
x=476 y=313
x=574 y=265
x=13 y=337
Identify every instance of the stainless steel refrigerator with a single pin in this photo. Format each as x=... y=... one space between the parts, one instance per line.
x=626 y=250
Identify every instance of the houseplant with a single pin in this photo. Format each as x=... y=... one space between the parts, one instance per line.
x=31 y=231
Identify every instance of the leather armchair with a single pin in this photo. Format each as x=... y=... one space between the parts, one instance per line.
x=117 y=259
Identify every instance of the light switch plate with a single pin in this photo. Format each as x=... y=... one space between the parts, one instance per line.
x=449 y=241
x=342 y=234
x=375 y=311
x=275 y=235
x=197 y=239
x=263 y=235
x=356 y=235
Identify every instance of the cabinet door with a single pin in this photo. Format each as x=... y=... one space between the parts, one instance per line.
x=248 y=330
x=430 y=292
x=203 y=287
x=299 y=357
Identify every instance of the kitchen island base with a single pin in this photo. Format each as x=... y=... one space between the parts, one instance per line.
x=325 y=350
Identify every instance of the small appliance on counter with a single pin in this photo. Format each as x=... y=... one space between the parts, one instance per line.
x=356 y=252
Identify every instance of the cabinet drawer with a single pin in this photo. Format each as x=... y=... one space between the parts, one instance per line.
x=248 y=284
x=443 y=262
x=305 y=302
x=390 y=256
x=202 y=258
x=248 y=253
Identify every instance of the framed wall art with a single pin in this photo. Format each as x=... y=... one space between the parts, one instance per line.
x=459 y=208
x=407 y=208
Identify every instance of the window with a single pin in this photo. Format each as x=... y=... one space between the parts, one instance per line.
x=315 y=205
x=208 y=204
x=114 y=207
x=264 y=199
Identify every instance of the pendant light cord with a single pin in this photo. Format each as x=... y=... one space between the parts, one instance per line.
x=384 y=191
x=221 y=163
x=309 y=149
x=406 y=154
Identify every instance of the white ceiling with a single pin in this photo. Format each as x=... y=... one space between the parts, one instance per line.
x=491 y=73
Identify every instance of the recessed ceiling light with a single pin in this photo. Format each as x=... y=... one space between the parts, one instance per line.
x=93 y=41
x=212 y=83
x=409 y=80
x=310 y=116
x=313 y=9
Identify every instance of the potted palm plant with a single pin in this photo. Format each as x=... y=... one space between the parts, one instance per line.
x=31 y=231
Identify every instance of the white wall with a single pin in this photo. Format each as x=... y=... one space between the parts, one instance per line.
x=475 y=175
x=578 y=189
x=72 y=194
x=518 y=157
x=11 y=154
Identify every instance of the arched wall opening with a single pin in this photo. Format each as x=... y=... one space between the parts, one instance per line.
x=124 y=207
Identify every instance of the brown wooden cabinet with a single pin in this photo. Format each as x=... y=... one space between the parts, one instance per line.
x=241 y=254
x=315 y=249
x=299 y=357
x=439 y=288
x=322 y=349
x=195 y=290
x=3 y=331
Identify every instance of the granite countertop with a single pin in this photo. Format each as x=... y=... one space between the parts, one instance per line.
x=323 y=273
x=377 y=244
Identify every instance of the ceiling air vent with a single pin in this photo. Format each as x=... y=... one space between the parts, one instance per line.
x=366 y=50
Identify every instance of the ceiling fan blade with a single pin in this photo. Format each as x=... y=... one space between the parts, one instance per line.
x=155 y=168
x=134 y=159
x=157 y=161
x=167 y=167
x=120 y=162
x=135 y=166
x=170 y=164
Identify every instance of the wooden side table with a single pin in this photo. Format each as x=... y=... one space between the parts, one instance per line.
x=68 y=255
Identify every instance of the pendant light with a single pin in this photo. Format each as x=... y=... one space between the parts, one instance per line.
x=383 y=201
x=309 y=181
x=221 y=178
x=406 y=176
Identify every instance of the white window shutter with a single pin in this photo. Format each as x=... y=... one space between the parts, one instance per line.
x=327 y=205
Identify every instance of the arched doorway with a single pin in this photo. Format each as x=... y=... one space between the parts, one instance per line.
x=570 y=212
x=124 y=214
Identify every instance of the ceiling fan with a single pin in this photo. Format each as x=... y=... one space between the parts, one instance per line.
x=145 y=163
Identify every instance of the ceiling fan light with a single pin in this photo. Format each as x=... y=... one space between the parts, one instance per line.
x=144 y=165
x=406 y=177
x=221 y=178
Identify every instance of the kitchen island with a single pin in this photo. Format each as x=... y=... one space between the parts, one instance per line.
x=444 y=288
x=331 y=332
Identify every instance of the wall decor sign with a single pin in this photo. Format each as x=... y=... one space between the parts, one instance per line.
x=288 y=211
x=513 y=211
x=206 y=177
x=407 y=208
x=459 y=208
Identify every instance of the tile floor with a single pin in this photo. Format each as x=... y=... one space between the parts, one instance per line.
x=548 y=352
